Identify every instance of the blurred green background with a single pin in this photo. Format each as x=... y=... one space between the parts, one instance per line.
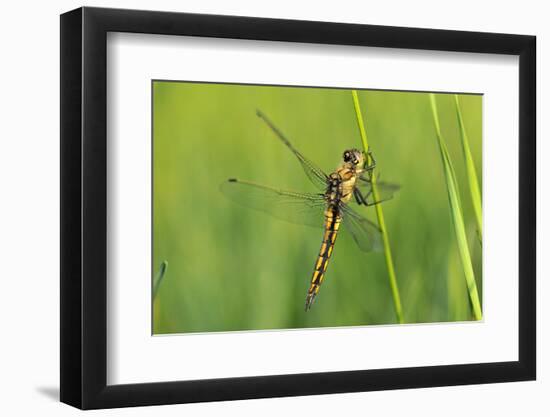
x=231 y=268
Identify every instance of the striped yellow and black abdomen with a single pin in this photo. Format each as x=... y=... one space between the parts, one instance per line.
x=332 y=224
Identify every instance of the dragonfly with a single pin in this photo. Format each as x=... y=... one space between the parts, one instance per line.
x=328 y=208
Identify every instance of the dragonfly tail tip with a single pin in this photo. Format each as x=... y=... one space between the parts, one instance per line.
x=309 y=301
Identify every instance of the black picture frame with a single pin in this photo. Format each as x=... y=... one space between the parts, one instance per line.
x=84 y=207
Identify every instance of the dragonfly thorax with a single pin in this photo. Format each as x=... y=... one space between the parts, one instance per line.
x=340 y=185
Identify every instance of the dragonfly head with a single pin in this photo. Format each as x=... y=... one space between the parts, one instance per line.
x=354 y=157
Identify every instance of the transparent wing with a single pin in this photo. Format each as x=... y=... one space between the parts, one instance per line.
x=299 y=208
x=365 y=233
x=386 y=190
x=313 y=172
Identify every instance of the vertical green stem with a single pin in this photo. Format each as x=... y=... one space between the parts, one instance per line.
x=470 y=170
x=456 y=215
x=380 y=215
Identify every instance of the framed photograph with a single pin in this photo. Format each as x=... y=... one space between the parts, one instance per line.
x=258 y=208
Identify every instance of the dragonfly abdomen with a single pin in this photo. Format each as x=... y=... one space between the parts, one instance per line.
x=332 y=224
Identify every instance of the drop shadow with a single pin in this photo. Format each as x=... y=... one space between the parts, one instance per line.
x=50 y=392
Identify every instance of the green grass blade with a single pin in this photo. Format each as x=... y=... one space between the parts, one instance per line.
x=158 y=278
x=471 y=171
x=457 y=216
x=380 y=216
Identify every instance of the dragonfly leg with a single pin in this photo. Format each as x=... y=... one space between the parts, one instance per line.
x=368 y=204
x=371 y=162
x=360 y=198
x=374 y=203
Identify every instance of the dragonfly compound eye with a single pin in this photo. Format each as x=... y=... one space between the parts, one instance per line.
x=347 y=156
